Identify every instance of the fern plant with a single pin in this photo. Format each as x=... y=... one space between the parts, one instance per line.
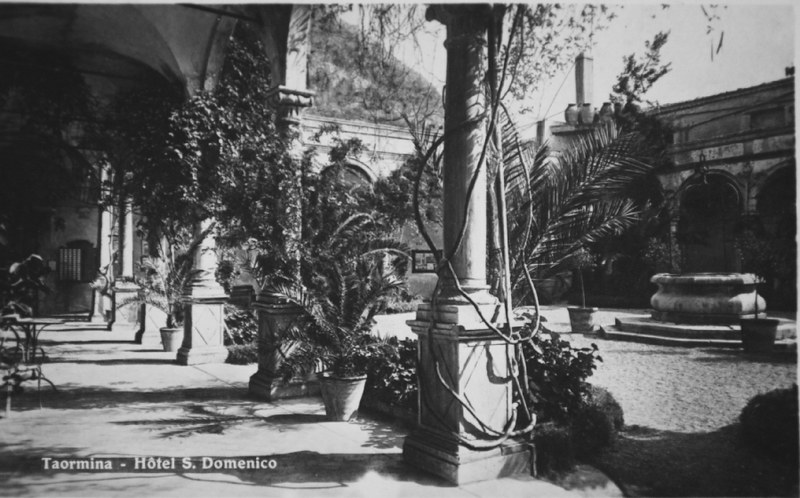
x=350 y=285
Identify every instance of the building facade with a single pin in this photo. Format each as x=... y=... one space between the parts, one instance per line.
x=731 y=170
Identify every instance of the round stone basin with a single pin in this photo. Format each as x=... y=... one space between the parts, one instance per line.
x=705 y=298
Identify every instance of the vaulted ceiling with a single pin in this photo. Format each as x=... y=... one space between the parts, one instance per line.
x=181 y=43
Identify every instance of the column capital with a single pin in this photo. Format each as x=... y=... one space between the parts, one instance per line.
x=466 y=24
x=289 y=101
x=477 y=15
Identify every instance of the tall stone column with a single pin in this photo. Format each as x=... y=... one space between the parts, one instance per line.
x=128 y=313
x=465 y=132
x=274 y=314
x=203 y=304
x=103 y=305
x=461 y=360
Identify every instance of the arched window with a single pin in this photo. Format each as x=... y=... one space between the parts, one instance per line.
x=350 y=175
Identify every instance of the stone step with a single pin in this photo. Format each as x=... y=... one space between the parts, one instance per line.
x=611 y=332
x=787 y=329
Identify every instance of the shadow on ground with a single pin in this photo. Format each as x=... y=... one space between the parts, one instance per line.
x=650 y=462
x=74 y=397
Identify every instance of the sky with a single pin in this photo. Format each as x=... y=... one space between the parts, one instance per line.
x=759 y=43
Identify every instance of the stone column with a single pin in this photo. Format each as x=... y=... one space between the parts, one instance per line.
x=465 y=132
x=458 y=353
x=204 y=313
x=274 y=314
x=673 y=207
x=103 y=311
x=128 y=314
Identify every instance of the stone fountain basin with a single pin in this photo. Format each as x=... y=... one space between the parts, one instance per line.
x=706 y=298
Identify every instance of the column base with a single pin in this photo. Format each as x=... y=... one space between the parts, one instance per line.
x=152 y=320
x=198 y=356
x=442 y=456
x=126 y=315
x=203 y=331
x=267 y=387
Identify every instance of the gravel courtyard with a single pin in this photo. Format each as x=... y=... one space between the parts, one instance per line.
x=679 y=389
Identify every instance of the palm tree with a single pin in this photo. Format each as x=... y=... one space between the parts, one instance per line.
x=349 y=287
x=561 y=202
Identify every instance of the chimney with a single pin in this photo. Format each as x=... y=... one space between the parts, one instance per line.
x=542 y=132
x=584 y=79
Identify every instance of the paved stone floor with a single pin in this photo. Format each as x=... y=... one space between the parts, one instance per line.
x=119 y=399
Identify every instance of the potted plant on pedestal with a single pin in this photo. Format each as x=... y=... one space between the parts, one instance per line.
x=581 y=318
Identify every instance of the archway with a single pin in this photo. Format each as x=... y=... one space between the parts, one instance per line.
x=710 y=210
x=776 y=223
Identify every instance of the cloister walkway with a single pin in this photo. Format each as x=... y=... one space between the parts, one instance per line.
x=118 y=399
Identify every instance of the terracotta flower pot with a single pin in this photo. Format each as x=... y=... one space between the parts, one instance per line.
x=341 y=396
x=758 y=334
x=171 y=338
x=582 y=320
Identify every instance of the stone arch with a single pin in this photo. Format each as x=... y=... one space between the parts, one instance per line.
x=775 y=221
x=710 y=210
x=776 y=200
x=353 y=173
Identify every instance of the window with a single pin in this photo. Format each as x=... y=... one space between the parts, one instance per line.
x=423 y=262
x=76 y=262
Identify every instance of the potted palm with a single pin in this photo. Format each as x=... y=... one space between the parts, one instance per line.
x=333 y=332
x=582 y=319
x=162 y=284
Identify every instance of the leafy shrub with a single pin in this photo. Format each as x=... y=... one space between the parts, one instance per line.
x=554 y=448
x=557 y=375
x=241 y=326
x=393 y=377
x=596 y=423
x=770 y=422
x=242 y=354
x=592 y=426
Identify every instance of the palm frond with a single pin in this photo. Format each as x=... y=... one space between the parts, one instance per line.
x=559 y=202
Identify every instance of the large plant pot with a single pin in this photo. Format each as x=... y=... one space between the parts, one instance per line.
x=758 y=334
x=171 y=338
x=341 y=396
x=583 y=320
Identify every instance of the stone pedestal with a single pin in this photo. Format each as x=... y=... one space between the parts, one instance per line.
x=274 y=316
x=203 y=331
x=242 y=295
x=152 y=320
x=126 y=306
x=204 y=311
x=473 y=362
